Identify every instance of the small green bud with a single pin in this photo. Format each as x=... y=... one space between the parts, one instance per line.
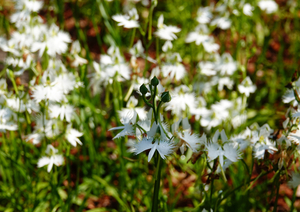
x=165 y=96
x=143 y=89
x=10 y=74
x=154 y=81
x=154 y=3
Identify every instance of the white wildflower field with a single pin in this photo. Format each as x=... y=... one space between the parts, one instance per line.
x=149 y=105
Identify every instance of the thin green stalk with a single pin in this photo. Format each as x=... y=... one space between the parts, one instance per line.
x=132 y=37
x=277 y=191
x=157 y=184
x=154 y=104
x=211 y=191
x=157 y=51
x=239 y=187
x=293 y=199
x=150 y=23
x=247 y=168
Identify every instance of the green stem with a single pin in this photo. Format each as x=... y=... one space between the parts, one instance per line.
x=146 y=101
x=150 y=23
x=239 y=187
x=277 y=191
x=293 y=199
x=132 y=37
x=157 y=184
x=247 y=168
x=157 y=51
x=211 y=190
x=154 y=104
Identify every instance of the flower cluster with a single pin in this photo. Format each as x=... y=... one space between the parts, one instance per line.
x=34 y=59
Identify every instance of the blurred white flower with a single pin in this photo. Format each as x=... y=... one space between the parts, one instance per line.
x=165 y=32
x=131 y=108
x=173 y=67
x=289 y=95
x=72 y=136
x=64 y=111
x=127 y=128
x=193 y=141
x=221 y=22
x=262 y=146
x=269 y=6
x=78 y=61
x=19 y=105
x=167 y=46
x=204 y=15
x=54 y=158
x=200 y=35
x=6 y=120
x=248 y=9
x=48 y=92
x=210 y=45
x=295 y=180
x=225 y=81
x=137 y=50
x=207 y=68
x=182 y=99
x=247 y=87
x=227 y=65
x=54 y=40
x=35 y=138
x=128 y=21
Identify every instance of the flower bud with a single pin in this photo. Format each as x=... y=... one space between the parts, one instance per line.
x=154 y=81
x=10 y=74
x=143 y=89
x=165 y=96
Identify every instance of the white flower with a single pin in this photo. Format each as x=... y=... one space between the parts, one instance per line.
x=174 y=69
x=247 y=9
x=6 y=120
x=247 y=87
x=210 y=45
x=221 y=22
x=200 y=35
x=137 y=50
x=54 y=40
x=225 y=81
x=127 y=129
x=78 y=61
x=182 y=99
x=53 y=159
x=64 y=111
x=128 y=21
x=295 y=181
x=207 y=68
x=165 y=32
x=228 y=150
x=191 y=140
x=167 y=46
x=35 y=138
x=295 y=137
x=72 y=136
x=48 y=92
x=261 y=147
x=131 y=108
x=204 y=15
x=269 y=6
x=227 y=65
x=19 y=105
x=224 y=148
x=163 y=147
